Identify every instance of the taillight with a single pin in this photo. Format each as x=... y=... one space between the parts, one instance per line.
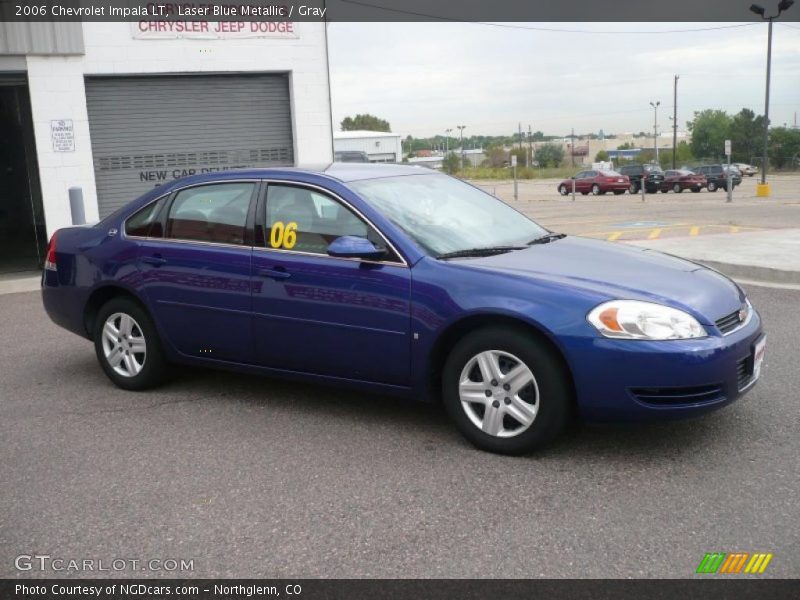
x=50 y=261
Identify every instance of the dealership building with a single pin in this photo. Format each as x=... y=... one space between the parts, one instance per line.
x=116 y=109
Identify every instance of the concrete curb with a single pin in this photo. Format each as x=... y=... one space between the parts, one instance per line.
x=21 y=284
x=752 y=272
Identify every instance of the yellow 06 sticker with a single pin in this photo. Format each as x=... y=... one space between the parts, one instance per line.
x=283 y=235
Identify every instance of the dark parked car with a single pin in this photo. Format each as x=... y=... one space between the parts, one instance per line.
x=350 y=156
x=398 y=279
x=596 y=182
x=682 y=179
x=652 y=175
x=717 y=177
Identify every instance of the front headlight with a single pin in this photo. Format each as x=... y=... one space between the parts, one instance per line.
x=636 y=320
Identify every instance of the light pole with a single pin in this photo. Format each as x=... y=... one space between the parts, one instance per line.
x=655 y=126
x=447 y=141
x=763 y=189
x=461 y=134
x=675 y=119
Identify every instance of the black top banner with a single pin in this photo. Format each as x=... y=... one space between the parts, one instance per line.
x=496 y=11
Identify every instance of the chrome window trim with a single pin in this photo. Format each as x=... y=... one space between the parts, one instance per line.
x=402 y=263
x=335 y=196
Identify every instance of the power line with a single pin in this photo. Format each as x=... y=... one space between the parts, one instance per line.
x=538 y=28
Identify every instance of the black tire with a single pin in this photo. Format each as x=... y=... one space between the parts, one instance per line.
x=154 y=364
x=634 y=189
x=677 y=188
x=555 y=391
x=562 y=189
x=712 y=187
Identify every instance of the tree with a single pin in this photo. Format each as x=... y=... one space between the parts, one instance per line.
x=550 y=155
x=784 y=147
x=451 y=163
x=710 y=128
x=365 y=122
x=495 y=156
x=746 y=135
x=602 y=156
x=522 y=156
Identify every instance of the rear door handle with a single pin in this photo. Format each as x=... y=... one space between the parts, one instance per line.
x=156 y=260
x=274 y=273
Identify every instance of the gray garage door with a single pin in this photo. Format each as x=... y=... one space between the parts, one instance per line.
x=147 y=131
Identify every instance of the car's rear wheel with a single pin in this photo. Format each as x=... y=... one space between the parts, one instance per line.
x=634 y=189
x=506 y=391
x=562 y=189
x=127 y=345
x=677 y=188
x=712 y=187
x=596 y=189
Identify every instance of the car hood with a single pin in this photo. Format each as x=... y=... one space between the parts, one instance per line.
x=617 y=270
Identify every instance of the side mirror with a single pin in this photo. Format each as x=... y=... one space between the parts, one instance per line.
x=352 y=246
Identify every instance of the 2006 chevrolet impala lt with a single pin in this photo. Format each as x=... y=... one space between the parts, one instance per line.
x=399 y=279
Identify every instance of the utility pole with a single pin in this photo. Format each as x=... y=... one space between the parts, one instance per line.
x=572 y=148
x=675 y=120
x=655 y=126
x=520 y=136
x=461 y=132
x=530 y=148
x=447 y=142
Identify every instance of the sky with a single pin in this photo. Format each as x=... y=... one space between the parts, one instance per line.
x=426 y=77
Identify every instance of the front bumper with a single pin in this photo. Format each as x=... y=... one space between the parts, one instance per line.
x=627 y=380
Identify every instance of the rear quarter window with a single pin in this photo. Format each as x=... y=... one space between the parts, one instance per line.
x=145 y=222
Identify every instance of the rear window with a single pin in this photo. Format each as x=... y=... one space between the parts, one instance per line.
x=653 y=169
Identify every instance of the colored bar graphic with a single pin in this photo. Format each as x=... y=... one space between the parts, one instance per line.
x=722 y=562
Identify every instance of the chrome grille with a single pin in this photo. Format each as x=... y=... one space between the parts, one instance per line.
x=730 y=322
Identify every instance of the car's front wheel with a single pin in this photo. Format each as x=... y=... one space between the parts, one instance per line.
x=562 y=189
x=677 y=188
x=596 y=189
x=506 y=391
x=127 y=345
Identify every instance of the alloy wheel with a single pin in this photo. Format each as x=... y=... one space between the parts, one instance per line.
x=124 y=345
x=499 y=393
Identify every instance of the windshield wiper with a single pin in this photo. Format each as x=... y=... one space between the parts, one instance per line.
x=491 y=251
x=546 y=239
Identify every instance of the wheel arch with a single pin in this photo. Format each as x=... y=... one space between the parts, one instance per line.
x=450 y=336
x=100 y=296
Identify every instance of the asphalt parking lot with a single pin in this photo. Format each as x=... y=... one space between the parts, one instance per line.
x=626 y=217
x=254 y=477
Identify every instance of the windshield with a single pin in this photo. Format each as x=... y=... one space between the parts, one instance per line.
x=445 y=215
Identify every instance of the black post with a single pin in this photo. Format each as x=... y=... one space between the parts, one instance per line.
x=766 y=105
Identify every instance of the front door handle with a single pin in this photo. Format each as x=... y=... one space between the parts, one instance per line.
x=154 y=260
x=274 y=273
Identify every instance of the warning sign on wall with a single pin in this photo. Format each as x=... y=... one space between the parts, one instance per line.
x=63 y=135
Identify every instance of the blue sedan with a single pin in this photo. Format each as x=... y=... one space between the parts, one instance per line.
x=402 y=280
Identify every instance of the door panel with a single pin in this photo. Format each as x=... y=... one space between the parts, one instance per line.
x=197 y=285
x=319 y=314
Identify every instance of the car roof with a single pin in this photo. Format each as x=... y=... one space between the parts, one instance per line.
x=343 y=172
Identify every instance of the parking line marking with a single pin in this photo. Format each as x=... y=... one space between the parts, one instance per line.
x=734 y=229
x=694 y=230
x=654 y=234
x=614 y=236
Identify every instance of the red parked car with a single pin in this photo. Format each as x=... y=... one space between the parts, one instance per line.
x=680 y=179
x=596 y=182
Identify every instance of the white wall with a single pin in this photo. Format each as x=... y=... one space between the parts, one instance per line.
x=388 y=145
x=57 y=92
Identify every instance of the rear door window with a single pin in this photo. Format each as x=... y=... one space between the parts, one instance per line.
x=211 y=213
